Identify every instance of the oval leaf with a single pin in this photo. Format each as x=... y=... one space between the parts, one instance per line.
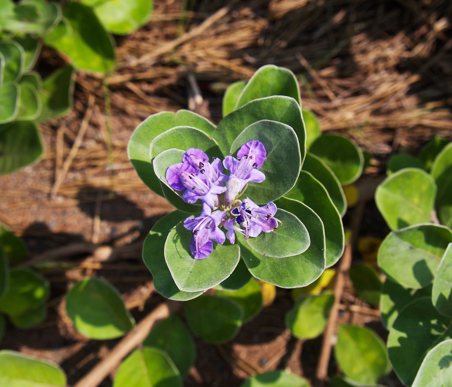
x=29 y=103
x=231 y=96
x=312 y=127
x=30 y=318
x=442 y=285
x=361 y=354
x=9 y=102
x=309 y=316
x=411 y=256
x=154 y=258
x=442 y=173
x=418 y=329
x=406 y=198
x=215 y=319
x=238 y=279
x=32 y=78
x=147 y=367
x=291 y=272
x=97 y=310
x=18 y=370
x=436 y=370
x=403 y=161
x=13 y=57
x=282 y=165
x=193 y=275
x=32 y=48
x=366 y=282
x=276 y=379
x=431 y=150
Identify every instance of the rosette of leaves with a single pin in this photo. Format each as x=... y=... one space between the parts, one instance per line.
x=267 y=109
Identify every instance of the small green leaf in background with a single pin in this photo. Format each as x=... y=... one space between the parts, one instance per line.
x=57 y=93
x=9 y=102
x=311 y=192
x=147 y=367
x=30 y=318
x=248 y=297
x=326 y=281
x=282 y=165
x=154 y=258
x=276 y=379
x=172 y=337
x=27 y=290
x=290 y=238
x=361 y=354
x=366 y=282
x=431 y=150
x=436 y=370
x=231 y=96
x=442 y=285
x=411 y=256
x=4 y=271
x=14 y=247
x=317 y=168
x=29 y=103
x=339 y=381
x=121 y=17
x=312 y=127
x=406 y=198
x=20 y=146
x=97 y=310
x=394 y=297
x=32 y=49
x=62 y=29
x=13 y=56
x=89 y=47
x=309 y=316
x=268 y=81
x=416 y=331
x=367 y=158
x=215 y=319
x=2 y=326
x=237 y=280
x=402 y=161
x=442 y=173
x=344 y=158
x=18 y=370
x=193 y=275
x=290 y=272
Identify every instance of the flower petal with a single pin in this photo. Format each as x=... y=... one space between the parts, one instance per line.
x=255 y=150
x=203 y=251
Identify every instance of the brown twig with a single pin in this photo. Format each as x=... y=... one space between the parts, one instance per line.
x=127 y=344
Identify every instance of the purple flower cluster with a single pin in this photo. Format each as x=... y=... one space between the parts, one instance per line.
x=218 y=193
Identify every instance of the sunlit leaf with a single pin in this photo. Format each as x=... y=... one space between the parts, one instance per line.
x=436 y=370
x=312 y=127
x=442 y=285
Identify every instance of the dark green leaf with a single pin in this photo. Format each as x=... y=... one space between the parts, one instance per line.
x=13 y=56
x=2 y=326
x=32 y=78
x=276 y=379
x=402 y=161
x=4 y=271
x=442 y=173
x=9 y=102
x=366 y=282
x=29 y=103
x=32 y=48
x=339 y=381
x=30 y=318
x=231 y=96
x=237 y=280
x=431 y=150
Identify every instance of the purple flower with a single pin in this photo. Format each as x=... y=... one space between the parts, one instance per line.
x=243 y=170
x=204 y=230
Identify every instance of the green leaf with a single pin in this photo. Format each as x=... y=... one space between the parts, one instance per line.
x=276 y=379
x=29 y=103
x=339 y=381
x=361 y=354
x=172 y=337
x=269 y=81
x=411 y=256
x=148 y=130
x=311 y=192
x=249 y=297
x=57 y=93
x=436 y=370
x=4 y=271
x=147 y=367
x=9 y=102
x=394 y=297
x=317 y=168
x=367 y=158
x=215 y=319
x=154 y=258
x=30 y=318
x=344 y=158
x=32 y=48
x=418 y=329
x=121 y=17
x=13 y=56
x=431 y=150
x=442 y=173
x=2 y=64
x=193 y=275
x=290 y=238
x=282 y=165
x=20 y=145
x=89 y=47
x=231 y=96
x=281 y=109
x=97 y=310
x=32 y=78
x=18 y=370
x=291 y=272
x=406 y=198
x=442 y=285
x=308 y=318
x=2 y=326
x=366 y=282
x=402 y=161
x=237 y=280
x=27 y=290
x=312 y=127
x=62 y=29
